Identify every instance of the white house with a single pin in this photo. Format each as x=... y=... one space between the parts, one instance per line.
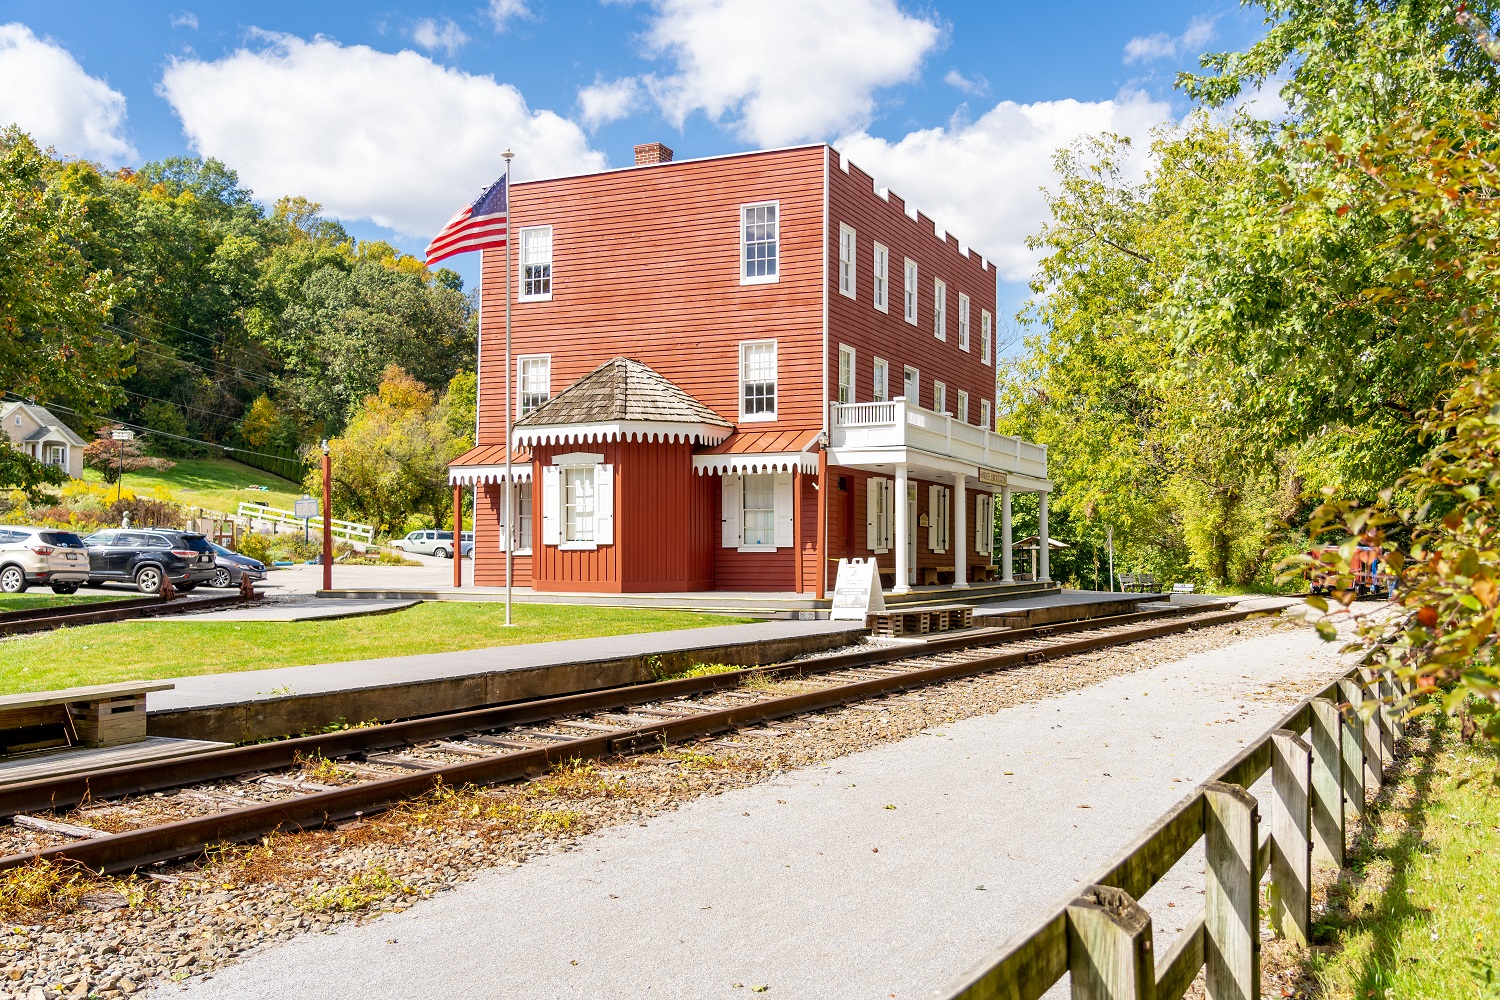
x=35 y=431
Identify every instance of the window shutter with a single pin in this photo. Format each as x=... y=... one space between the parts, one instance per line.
x=945 y=497
x=783 y=495
x=934 y=529
x=551 y=505
x=729 y=517
x=888 y=528
x=872 y=531
x=984 y=523
x=604 y=505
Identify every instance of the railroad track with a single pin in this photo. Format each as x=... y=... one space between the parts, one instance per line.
x=44 y=619
x=128 y=817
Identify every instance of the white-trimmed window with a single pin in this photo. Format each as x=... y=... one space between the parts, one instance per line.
x=757 y=511
x=939 y=505
x=939 y=397
x=909 y=290
x=911 y=384
x=846 y=260
x=984 y=523
x=940 y=309
x=880 y=388
x=880 y=514
x=523 y=531
x=758 y=380
x=963 y=322
x=578 y=502
x=57 y=455
x=985 y=420
x=760 y=243
x=846 y=374
x=533 y=382
x=881 y=257
x=986 y=334
x=963 y=406
x=536 y=264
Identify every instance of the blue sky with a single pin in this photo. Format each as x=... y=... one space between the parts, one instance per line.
x=393 y=115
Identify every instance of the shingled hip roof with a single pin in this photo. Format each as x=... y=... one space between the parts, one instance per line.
x=622 y=400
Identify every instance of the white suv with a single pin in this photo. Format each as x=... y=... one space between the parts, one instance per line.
x=427 y=543
x=43 y=556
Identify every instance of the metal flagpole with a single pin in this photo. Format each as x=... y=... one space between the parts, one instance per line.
x=510 y=528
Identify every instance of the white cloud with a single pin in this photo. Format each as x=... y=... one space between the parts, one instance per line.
x=606 y=101
x=502 y=12
x=1146 y=48
x=982 y=180
x=187 y=19
x=44 y=90
x=959 y=81
x=783 y=71
x=394 y=138
x=432 y=35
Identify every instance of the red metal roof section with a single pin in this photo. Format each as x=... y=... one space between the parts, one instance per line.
x=764 y=442
x=490 y=454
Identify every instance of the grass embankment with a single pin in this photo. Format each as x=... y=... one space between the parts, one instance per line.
x=1417 y=913
x=46 y=599
x=142 y=650
x=217 y=484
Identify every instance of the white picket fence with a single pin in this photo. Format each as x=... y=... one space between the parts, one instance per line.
x=350 y=530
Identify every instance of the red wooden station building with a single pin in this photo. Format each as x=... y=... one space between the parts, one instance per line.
x=731 y=372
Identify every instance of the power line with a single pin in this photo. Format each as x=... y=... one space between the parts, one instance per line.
x=247 y=375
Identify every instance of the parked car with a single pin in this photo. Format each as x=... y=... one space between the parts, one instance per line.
x=468 y=545
x=147 y=556
x=230 y=567
x=41 y=556
x=427 y=543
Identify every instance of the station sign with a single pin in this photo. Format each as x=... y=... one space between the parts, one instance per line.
x=991 y=477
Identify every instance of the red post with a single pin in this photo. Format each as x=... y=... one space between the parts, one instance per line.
x=458 y=535
x=797 y=529
x=327 y=519
x=822 y=523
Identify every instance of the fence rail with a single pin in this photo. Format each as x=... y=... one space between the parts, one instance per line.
x=275 y=515
x=1322 y=757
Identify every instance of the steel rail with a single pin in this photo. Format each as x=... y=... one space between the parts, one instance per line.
x=190 y=837
x=42 y=619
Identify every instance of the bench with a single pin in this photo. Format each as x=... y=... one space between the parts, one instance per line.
x=893 y=623
x=103 y=715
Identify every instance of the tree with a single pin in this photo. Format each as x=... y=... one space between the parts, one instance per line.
x=109 y=456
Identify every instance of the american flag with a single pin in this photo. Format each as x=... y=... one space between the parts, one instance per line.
x=480 y=225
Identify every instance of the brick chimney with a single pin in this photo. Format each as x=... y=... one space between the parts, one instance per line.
x=652 y=152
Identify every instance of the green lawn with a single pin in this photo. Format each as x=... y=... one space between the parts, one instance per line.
x=1418 y=914
x=216 y=484
x=142 y=650
x=43 y=597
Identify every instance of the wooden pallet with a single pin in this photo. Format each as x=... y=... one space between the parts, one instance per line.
x=899 y=622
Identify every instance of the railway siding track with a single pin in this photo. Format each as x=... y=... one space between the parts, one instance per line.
x=46 y=619
x=403 y=760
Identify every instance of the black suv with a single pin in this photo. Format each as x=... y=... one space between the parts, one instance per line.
x=146 y=556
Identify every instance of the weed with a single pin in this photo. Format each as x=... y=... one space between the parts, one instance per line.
x=318 y=768
x=41 y=886
x=359 y=893
x=698 y=670
x=694 y=760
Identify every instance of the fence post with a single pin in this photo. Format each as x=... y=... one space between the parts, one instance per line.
x=1369 y=750
x=1109 y=947
x=1290 y=894
x=1354 y=752
x=1231 y=905
x=1327 y=783
x=1387 y=723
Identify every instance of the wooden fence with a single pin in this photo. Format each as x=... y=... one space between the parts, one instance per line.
x=1323 y=757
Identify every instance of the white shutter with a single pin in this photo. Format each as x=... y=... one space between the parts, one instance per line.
x=934 y=529
x=783 y=495
x=604 y=505
x=551 y=505
x=872 y=532
x=732 y=508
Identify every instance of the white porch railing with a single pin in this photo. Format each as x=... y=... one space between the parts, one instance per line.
x=899 y=424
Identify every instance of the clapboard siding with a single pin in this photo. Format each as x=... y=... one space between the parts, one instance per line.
x=489 y=562
x=646 y=265
x=663 y=532
x=856 y=322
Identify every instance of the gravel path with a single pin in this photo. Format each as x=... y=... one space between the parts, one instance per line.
x=873 y=853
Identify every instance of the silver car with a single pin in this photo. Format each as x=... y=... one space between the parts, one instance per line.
x=427 y=543
x=49 y=556
x=231 y=566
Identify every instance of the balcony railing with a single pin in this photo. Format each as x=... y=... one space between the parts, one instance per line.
x=899 y=424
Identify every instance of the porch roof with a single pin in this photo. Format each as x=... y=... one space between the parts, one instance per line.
x=485 y=463
x=778 y=450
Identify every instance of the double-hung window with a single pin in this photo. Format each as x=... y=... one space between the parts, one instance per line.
x=55 y=455
x=522 y=535
x=963 y=322
x=984 y=415
x=758 y=380
x=880 y=388
x=846 y=374
x=909 y=290
x=882 y=288
x=846 y=261
x=757 y=511
x=536 y=264
x=963 y=406
x=533 y=382
x=986 y=333
x=939 y=397
x=578 y=504
x=760 y=243
x=940 y=309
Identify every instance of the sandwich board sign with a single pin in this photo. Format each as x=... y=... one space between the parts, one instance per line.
x=856 y=591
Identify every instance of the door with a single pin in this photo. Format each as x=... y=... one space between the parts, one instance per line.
x=911 y=534
x=913 y=387
x=120 y=557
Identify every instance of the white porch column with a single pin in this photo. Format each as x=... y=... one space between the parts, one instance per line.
x=1007 y=557
x=960 y=532
x=902 y=530
x=1044 y=568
